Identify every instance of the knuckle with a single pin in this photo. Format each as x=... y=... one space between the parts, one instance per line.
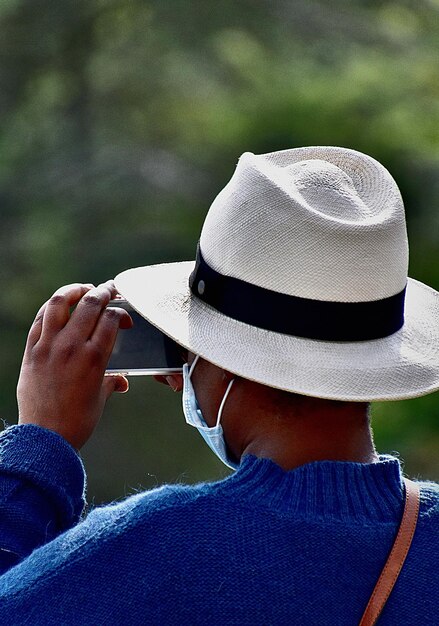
x=67 y=351
x=111 y=314
x=40 y=353
x=57 y=299
x=91 y=299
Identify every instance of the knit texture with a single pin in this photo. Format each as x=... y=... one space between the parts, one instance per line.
x=41 y=490
x=262 y=547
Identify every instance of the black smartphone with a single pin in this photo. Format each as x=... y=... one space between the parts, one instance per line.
x=143 y=349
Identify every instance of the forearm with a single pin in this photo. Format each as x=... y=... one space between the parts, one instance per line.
x=41 y=490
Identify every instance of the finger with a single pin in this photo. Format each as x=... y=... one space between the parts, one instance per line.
x=88 y=311
x=175 y=381
x=36 y=328
x=114 y=383
x=126 y=321
x=56 y=311
x=106 y=329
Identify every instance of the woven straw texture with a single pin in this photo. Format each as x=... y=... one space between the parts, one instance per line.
x=310 y=227
x=321 y=223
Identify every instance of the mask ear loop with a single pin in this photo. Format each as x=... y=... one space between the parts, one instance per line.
x=223 y=401
x=194 y=362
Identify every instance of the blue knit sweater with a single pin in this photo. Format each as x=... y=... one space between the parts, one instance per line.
x=262 y=547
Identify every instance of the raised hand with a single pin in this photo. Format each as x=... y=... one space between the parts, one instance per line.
x=62 y=385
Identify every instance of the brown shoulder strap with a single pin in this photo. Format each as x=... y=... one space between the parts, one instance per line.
x=397 y=556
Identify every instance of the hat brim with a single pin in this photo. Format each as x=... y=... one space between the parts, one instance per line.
x=401 y=366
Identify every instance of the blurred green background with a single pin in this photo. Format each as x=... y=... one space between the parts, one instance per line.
x=121 y=120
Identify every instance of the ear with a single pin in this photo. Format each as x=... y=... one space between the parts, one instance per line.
x=175 y=381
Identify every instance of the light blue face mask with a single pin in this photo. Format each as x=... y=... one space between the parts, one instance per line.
x=213 y=436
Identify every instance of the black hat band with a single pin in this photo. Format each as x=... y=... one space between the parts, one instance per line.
x=293 y=315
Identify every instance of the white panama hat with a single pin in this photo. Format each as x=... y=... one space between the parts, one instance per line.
x=300 y=281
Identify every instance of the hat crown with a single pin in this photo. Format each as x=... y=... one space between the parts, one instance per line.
x=320 y=223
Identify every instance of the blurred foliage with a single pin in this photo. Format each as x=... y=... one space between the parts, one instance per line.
x=119 y=123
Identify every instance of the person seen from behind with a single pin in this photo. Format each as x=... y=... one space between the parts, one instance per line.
x=296 y=315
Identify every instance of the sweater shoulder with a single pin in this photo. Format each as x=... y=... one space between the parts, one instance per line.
x=150 y=503
x=429 y=500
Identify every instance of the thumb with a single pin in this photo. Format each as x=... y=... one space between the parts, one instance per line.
x=114 y=383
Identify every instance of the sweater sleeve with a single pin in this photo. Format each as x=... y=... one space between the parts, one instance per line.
x=42 y=483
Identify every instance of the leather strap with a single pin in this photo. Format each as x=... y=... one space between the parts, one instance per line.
x=397 y=556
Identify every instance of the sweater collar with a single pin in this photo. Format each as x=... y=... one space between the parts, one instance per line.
x=323 y=489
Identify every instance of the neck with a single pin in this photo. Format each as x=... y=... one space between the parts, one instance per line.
x=293 y=449
x=294 y=430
